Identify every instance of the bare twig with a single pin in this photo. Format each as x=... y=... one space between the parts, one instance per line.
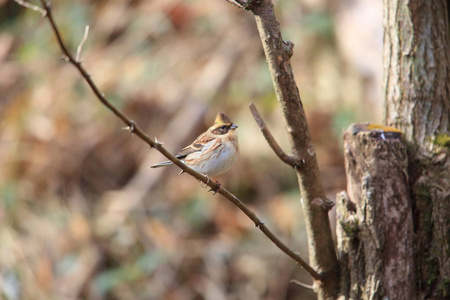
x=80 y=46
x=31 y=6
x=270 y=139
x=303 y=285
x=238 y=3
x=134 y=128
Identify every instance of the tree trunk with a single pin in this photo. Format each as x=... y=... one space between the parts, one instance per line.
x=394 y=226
x=417 y=90
x=375 y=223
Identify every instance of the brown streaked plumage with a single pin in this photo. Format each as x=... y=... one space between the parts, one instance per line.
x=214 y=151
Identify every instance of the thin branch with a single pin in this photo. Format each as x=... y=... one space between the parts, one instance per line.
x=303 y=285
x=134 y=128
x=238 y=3
x=80 y=46
x=270 y=139
x=31 y=6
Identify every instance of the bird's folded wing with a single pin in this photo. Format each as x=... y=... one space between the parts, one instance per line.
x=196 y=146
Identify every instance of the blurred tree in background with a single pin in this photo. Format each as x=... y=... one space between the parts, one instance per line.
x=83 y=217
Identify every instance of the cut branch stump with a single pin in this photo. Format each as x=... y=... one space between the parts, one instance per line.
x=375 y=222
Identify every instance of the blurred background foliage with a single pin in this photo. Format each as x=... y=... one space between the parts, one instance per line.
x=83 y=217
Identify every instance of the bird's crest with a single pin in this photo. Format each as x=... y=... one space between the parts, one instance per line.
x=222 y=119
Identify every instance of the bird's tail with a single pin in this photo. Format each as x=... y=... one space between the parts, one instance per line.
x=162 y=164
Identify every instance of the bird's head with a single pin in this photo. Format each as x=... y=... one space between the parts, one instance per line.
x=222 y=125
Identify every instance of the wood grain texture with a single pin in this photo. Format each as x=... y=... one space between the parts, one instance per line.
x=417 y=91
x=416 y=64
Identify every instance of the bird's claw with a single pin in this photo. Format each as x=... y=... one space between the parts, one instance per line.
x=205 y=185
x=214 y=190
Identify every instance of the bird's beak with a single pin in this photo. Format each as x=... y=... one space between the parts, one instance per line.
x=233 y=126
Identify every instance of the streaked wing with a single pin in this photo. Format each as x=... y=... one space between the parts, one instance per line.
x=196 y=146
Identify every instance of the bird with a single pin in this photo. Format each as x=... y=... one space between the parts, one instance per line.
x=213 y=152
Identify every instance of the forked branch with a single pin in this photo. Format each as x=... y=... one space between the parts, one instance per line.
x=278 y=56
x=134 y=128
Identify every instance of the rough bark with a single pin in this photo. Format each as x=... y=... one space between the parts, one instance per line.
x=375 y=227
x=417 y=91
x=315 y=203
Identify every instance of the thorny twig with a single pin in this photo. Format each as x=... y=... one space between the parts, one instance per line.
x=134 y=128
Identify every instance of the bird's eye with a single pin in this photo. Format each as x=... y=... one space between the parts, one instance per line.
x=223 y=127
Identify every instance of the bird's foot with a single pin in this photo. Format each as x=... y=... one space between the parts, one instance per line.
x=217 y=188
x=205 y=185
x=202 y=184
